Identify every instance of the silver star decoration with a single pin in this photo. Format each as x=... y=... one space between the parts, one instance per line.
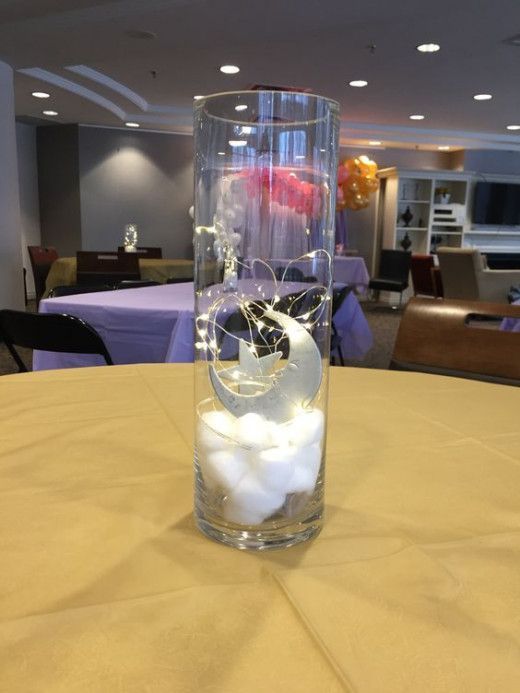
x=254 y=370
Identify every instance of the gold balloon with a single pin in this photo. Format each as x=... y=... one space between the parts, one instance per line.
x=355 y=188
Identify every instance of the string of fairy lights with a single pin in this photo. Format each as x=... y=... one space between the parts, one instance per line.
x=261 y=330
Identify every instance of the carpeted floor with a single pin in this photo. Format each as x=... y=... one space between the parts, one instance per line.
x=382 y=320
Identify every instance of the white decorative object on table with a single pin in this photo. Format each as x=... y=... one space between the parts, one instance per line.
x=130 y=239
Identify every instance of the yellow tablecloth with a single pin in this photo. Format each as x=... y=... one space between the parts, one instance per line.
x=63 y=271
x=106 y=585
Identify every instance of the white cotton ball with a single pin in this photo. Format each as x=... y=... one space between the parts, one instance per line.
x=278 y=436
x=253 y=431
x=310 y=457
x=215 y=428
x=249 y=498
x=224 y=468
x=275 y=466
x=306 y=469
x=302 y=481
x=306 y=428
x=242 y=516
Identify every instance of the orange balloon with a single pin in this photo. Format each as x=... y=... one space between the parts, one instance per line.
x=352 y=166
x=372 y=184
x=354 y=183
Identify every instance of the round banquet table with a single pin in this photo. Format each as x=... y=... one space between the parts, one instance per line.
x=106 y=585
x=63 y=271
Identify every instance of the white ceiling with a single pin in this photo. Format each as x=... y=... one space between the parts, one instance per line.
x=322 y=44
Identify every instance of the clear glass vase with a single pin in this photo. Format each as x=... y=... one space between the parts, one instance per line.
x=265 y=184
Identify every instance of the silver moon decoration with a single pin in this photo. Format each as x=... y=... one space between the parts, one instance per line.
x=293 y=387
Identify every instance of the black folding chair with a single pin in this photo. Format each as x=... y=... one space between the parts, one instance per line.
x=394 y=268
x=49 y=332
x=289 y=274
x=95 y=268
x=338 y=296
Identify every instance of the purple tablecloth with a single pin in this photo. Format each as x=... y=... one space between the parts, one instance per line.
x=345 y=270
x=156 y=325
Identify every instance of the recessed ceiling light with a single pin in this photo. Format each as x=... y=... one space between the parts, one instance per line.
x=229 y=69
x=238 y=143
x=241 y=107
x=443 y=148
x=416 y=116
x=40 y=94
x=50 y=113
x=358 y=83
x=428 y=47
x=132 y=125
x=375 y=143
x=513 y=127
x=199 y=96
x=300 y=156
x=221 y=153
x=483 y=97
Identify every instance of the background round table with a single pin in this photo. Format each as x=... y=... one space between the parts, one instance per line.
x=63 y=271
x=106 y=585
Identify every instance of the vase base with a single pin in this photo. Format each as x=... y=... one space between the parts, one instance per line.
x=261 y=539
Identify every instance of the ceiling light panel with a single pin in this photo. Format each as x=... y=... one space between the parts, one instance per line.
x=229 y=69
x=428 y=47
x=358 y=83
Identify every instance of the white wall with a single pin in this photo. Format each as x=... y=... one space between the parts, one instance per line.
x=29 y=203
x=11 y=276
x=140 y=177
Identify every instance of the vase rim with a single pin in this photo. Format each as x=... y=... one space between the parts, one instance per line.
x=200 y=103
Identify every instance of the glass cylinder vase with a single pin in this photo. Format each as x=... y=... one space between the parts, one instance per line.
x=265 y=185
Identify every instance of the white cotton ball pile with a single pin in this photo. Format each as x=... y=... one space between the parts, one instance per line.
x=216 y=430
x=252 y=431
x=256 y=462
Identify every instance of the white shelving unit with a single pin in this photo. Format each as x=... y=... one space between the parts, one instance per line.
x=435 y=220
